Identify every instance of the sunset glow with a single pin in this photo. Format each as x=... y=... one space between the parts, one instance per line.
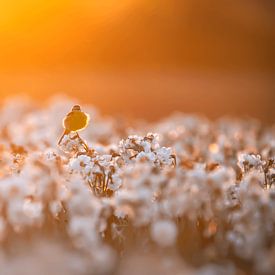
x=37 y=32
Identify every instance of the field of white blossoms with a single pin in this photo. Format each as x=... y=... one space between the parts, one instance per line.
x=184 y=195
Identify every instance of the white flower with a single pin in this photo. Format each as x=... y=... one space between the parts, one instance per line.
x=247 y=161
x=150 y=156
x=50 y=154
x=33 y=209
x=88 y=169
x=55 y=207
x=84 y=159
x=164 y=155
x=79 y=162
x=15 y=213
x=146 y=146
x=14 y=186
x=83 y=230
x=75 y=164
x=117 y=182
x=104 y=160
x=164 y=232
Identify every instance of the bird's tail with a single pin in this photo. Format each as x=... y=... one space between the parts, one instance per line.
x=66 y=132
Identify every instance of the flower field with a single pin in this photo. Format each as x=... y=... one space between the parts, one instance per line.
x=184 y=195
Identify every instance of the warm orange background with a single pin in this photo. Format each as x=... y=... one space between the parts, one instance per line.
x=143 y=58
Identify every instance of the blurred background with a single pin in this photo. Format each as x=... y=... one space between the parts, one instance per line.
x=142 y=58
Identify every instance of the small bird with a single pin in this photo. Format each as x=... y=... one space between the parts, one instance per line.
x=76 y=120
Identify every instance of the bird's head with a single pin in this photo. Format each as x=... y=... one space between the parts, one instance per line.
x=76 y=108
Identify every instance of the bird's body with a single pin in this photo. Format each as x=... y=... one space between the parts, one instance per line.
x=76 y=120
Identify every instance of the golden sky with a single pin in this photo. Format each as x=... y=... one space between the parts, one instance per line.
x=129 y=55
x=136 y=33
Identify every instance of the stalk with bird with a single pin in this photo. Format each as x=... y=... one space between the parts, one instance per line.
x=75 y=121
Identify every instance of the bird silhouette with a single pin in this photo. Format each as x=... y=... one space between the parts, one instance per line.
x=74 y=121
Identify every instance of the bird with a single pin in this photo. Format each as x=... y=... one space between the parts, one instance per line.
x=74 y=121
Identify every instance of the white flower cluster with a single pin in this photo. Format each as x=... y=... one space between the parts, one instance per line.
x=146 y=148
x=249 y=161
x=101 y=172
x=203 y=204
x=72 y=143
x=164 y=232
